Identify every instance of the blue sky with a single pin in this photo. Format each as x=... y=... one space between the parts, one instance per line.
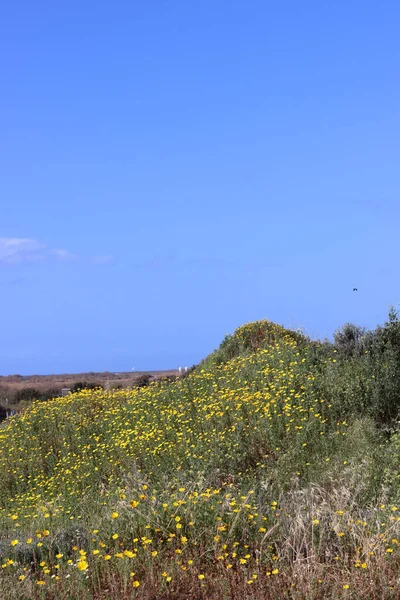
x=171 y=170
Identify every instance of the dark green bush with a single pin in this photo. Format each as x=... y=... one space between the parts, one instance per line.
x=363 y=377
x=143 y=380
x=348 y=339
x=83 y=385
x=27 y=394
x=3 y=413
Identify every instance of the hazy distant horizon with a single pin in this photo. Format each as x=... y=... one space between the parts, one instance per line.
x=172 y=171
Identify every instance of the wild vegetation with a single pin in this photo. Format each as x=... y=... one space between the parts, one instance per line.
x=271 y=471
x=17 y=392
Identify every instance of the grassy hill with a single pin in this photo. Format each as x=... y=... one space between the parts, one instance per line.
x=271 y=471
x=17 y=391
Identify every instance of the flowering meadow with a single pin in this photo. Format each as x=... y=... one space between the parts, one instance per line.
x=262 y=474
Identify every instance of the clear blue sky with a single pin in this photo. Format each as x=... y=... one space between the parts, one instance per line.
x=171 y=170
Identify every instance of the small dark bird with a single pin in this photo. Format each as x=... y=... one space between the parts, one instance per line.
x=355 y=290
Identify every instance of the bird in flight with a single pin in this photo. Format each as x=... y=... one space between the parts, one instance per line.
x=355 y=290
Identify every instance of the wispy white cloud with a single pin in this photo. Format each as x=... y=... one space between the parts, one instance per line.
x=14 y=251
x=62 y=255
x=20 y=251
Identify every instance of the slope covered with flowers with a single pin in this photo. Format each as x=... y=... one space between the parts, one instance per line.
x=224 y=484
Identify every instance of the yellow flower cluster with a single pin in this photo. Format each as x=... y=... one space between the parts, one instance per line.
x=176 y=479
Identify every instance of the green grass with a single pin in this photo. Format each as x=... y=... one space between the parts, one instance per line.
x=268 y=472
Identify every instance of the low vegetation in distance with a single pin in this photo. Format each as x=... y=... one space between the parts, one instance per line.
x=271 y=471
x=17 y=392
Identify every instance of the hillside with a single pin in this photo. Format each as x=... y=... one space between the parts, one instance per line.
x=271 y=471
x=18 y=391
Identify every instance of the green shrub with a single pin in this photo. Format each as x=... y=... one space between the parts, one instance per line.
x=143 y=380
x=362 y=376
x=84 y=385
x=252 y=337
x=348 y=339
x=27 y=394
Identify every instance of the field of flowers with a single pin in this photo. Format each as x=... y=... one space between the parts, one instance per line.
x=242 y=480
